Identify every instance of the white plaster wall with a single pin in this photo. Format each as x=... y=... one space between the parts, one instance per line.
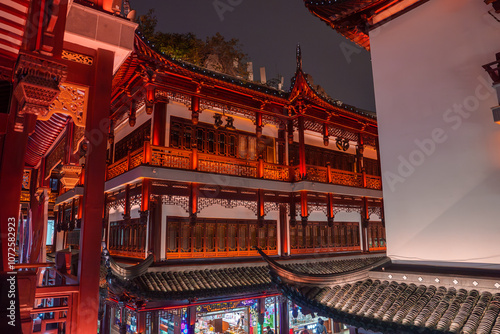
x=439 y=145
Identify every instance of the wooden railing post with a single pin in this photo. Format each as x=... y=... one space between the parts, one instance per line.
x=194 y=159
x=260 y=169
x=128 y=160
x=329 y=172
x=146 y=153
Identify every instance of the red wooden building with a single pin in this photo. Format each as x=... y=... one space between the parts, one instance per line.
x=205 y=168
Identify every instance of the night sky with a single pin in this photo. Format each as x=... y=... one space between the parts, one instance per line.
x=269 y=31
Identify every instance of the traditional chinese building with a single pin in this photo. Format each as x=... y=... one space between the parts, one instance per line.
x=203 y=170
x=439 y=162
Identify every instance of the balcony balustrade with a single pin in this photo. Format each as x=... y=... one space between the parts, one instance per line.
x=203 y=162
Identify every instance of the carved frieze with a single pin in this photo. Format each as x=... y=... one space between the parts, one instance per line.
x=77 y=57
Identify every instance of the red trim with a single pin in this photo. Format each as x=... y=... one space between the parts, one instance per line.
x=10 y=44
x=40 y=25
x=22 y=3
x=11 y=23
x=9 y=54
x=10 y=34
x=12 y=11
x=198 y=304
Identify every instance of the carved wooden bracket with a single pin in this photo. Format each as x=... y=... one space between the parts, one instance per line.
x=38 y=81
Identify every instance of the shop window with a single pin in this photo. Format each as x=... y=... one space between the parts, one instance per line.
x=228 y=317
x=172 y=321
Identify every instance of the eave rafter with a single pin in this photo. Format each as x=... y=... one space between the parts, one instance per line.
x=355 y=18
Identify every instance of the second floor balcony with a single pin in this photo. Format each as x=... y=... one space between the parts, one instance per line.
x=169 y=157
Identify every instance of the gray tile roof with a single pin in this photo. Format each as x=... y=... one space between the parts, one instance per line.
x=192 y=283
x=392 y=307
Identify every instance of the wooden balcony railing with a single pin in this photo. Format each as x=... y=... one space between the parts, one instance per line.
x=184 y=159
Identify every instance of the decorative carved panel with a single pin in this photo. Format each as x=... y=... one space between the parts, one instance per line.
x=375 y=210
x=38 y=85
x=173 y=96
x=205 y=202
x=77 y=57
x=271 y=206
x=346 y=208
x=227 y=109
x=182 y=201
x=318 y=207
x=71 y=101
x=26 y=179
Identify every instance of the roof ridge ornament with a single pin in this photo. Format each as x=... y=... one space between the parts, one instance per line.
x=299 y=57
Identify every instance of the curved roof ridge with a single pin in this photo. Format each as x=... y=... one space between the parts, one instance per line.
x=294 y=276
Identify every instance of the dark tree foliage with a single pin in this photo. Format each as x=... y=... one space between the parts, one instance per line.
x=215 y=53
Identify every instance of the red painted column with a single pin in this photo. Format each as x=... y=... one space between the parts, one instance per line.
x=193 y=203
x=284 y=241
x=93 y=197
x=365 y=220
x=282 y=144
x=126 y=208
x=304 y=211
x=284 y=315
x=302 y=149
x=329 y=208
x=260 y=207
x=11 y=176
x=195 y=109
x=159 y=124
x=359 y=159
x=191 y=318
x=155 y=229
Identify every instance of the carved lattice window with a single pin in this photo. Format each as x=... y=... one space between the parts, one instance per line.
x=221 y=141
x=222 y=237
